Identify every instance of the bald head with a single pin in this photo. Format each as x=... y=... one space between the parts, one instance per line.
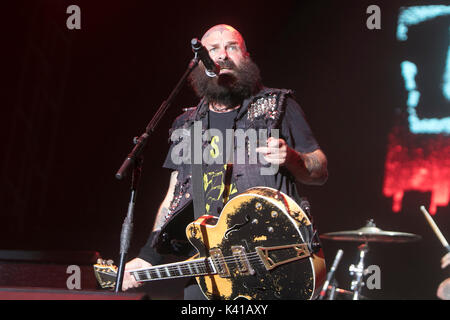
x=239 y=76
x=222 y=31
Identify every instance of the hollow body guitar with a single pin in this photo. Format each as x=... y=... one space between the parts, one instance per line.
x=256 y=249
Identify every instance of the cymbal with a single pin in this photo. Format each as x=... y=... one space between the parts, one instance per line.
x=370 y=233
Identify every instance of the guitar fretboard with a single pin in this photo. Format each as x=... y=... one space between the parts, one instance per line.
x=191 y=268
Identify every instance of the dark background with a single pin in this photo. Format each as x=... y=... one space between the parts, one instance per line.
x=72 y=100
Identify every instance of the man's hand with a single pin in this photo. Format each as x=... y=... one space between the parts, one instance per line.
x=128 y=279
x=276 y=151
x=443 y=292
x=308 y=168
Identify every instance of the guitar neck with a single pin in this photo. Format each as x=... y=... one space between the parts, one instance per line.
x=197 y=267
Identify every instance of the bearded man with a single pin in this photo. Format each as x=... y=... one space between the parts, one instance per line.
x=235 y=99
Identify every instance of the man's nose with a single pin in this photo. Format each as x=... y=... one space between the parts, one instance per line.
x=223 y=55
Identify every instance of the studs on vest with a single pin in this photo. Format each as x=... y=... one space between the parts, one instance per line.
x=265 y=106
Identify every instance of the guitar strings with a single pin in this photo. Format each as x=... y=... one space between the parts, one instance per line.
x=174 y=272
x=201 y=265
x=198 y=266
x=251 y=257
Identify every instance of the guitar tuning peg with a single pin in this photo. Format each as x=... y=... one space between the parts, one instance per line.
x=99 y=261
x=109 y=262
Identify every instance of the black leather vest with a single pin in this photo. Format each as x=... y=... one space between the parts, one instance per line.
x=261 y=111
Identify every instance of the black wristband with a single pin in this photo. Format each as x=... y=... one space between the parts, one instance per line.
x=148 y=252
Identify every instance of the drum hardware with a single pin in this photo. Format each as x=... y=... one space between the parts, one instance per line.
x=358 y=272
x=366 y=234
x=370 y=233
x=330 y=277
x=336 y=293
x=332 y=288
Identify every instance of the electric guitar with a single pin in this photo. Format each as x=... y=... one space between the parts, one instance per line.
x=260 y=247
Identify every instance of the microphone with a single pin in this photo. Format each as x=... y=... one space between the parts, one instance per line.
x=330 y=275
x=211 y=68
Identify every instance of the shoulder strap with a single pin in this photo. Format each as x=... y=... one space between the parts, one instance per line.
x=197 y=181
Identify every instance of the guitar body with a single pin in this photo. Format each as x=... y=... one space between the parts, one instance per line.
x=261 y=247
x=258 y=249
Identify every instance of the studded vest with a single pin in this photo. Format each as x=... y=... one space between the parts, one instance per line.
x=261 y=111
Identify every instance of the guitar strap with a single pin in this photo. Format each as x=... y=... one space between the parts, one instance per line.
x=227 y=182
x=197 y=180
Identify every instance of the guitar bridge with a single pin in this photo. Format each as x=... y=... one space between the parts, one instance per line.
x=273 y=257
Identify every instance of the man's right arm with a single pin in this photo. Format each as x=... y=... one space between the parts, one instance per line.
x=164 y=207
x=137 y=263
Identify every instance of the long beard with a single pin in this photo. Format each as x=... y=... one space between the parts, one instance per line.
x=228 y=89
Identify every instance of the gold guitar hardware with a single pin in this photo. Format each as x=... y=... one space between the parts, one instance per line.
x=293 y=251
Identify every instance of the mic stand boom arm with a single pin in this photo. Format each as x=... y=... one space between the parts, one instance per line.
x=135 y=159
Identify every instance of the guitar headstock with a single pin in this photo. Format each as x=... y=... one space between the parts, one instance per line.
x=106 y=273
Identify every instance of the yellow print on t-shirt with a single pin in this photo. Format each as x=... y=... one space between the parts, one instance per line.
x=215 y=186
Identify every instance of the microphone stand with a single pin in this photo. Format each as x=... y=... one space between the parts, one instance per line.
x=134 y=160
x=358 y=271
x=332 y=293
x=330 y=275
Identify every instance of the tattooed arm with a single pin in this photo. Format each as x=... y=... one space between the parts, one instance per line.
x=164 y=207
x=307 y=168
x=137 y=263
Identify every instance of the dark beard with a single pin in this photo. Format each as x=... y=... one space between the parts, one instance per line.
x=228 y=89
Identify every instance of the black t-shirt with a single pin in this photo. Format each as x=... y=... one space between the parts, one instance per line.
x=294 y=130
x=217 y=178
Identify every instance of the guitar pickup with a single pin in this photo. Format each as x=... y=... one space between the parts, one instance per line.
x=273 y=257
x=240 y=256
x=219 y=262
